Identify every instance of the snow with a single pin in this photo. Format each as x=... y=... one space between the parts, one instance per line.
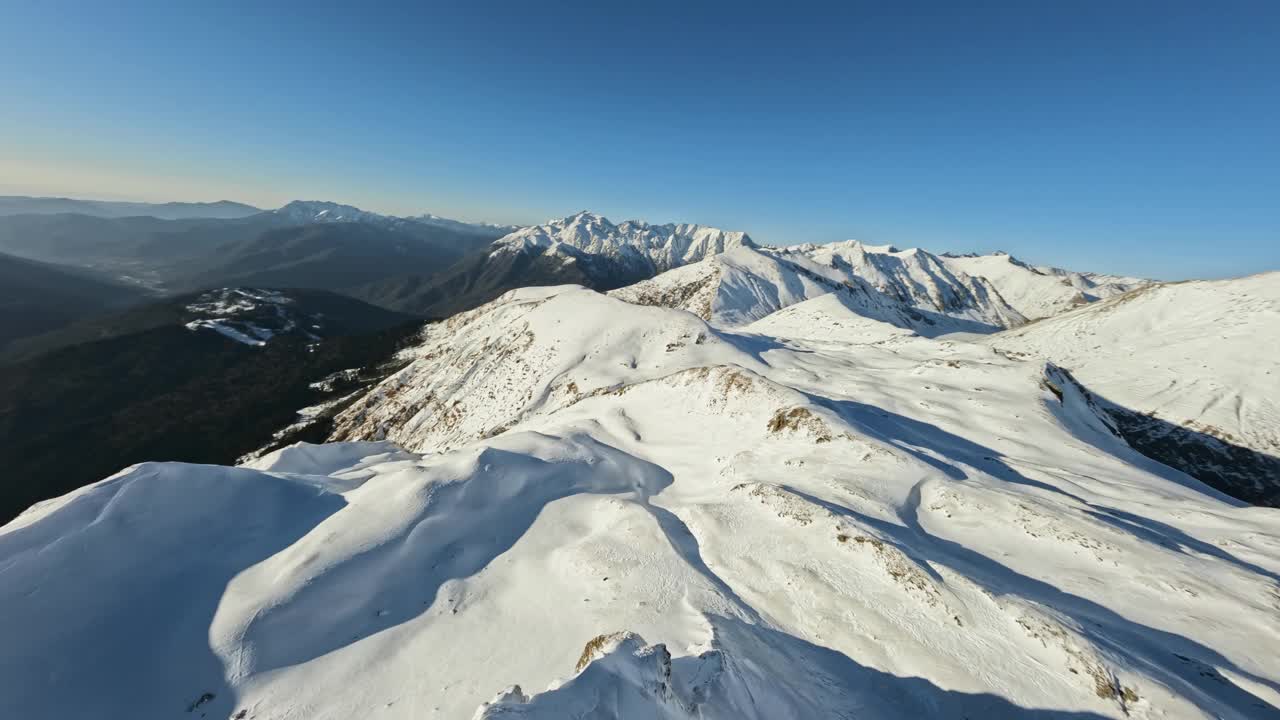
x=1039 y=292
x=660 y=247
x=911 y=289
x=570 y=505
x=330 y=381
x=320 y=211
x=1204 y=355
x=235 y=301
x=222 y=327
x=248 y=315
x=481 y=227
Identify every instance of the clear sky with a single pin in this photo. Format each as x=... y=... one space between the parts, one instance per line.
x=1126 y=136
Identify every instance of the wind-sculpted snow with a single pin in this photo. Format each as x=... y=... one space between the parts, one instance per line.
x=568 y=505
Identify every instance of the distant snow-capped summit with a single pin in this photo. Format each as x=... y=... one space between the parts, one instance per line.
x=636 y=243
x=315 y=211
x=462 y=226
x=321 y=211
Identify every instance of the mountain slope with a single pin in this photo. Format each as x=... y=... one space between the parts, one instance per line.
x=319 y=245
x=38 y=297
x=910 y=290
x=247 y=315
x=1039 y=292
x=584 y=249
x=1196 y=356
x=146 y=251
x=610 y=510
x=334 y=255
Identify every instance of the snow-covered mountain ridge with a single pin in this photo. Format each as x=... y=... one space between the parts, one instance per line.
x=786 y=503
x=319 y=211
x=986 y=291
x=582 y=249
x=1041 y=291
x=1203 y=356
x=911 y=289
x=635 y=243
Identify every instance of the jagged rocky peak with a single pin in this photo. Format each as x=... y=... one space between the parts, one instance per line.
x=662 y=246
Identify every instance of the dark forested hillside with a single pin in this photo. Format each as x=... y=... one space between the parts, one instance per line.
x=266 y=249
x=333 y=256
x=38 y=297
x=76 y=415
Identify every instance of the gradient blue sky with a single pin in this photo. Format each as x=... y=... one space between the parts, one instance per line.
x=1129 y=137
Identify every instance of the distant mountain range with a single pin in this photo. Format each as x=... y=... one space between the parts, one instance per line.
x=302 y=245
x=317 y=211
x=222 y=209
x=584 y=249
x=430 y=266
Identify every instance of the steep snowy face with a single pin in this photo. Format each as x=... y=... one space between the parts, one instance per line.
x=1039 y=292
x=1202 y=357
x=617 y=511
x=917 y=278
x=639 y=246
x=909 y=290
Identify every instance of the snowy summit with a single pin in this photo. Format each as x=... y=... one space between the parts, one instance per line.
x=658 y=247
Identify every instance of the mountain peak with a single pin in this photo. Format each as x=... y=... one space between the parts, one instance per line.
x=325 y=211
x=659 y=247
x=586 y=216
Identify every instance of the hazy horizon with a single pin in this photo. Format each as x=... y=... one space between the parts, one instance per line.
x=1124 y=139
x=1033 y=260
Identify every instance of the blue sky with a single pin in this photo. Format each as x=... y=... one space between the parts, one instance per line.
x=1129 y=137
